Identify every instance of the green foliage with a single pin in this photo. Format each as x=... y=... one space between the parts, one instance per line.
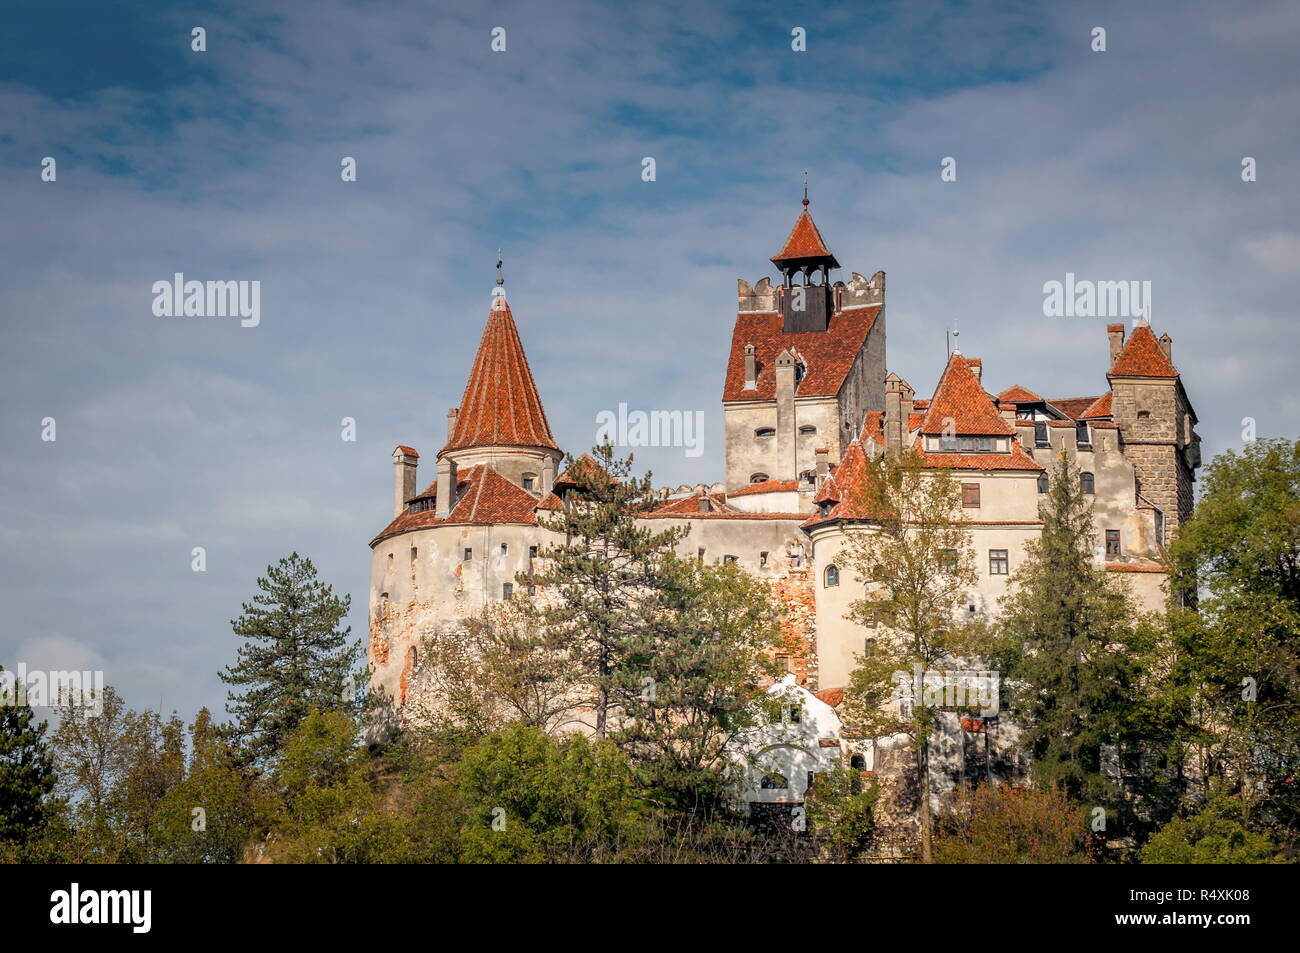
x=915 y=556
x=601 y=582
x=690 y=680
x=1237 y=673
x=1008 y=825
x=26 y=775
x=1214 y=836
x=294 y=659
x=1072 y=653
x=330 y=801
x=530 y=798
x=841 y=814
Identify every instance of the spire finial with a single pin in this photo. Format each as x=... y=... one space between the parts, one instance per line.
x=956 y=336
x=501 y=278
x=805 y=188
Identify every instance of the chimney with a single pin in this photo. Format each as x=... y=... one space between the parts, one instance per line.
x=1116 y=334
x=702 y=504
x=823 y=457
x=1166 y=345
x=1008 y=411
x=548 y=475
x=446 y=485
x=976 y=366
x=785 y=465
x=905 y=407
x=893 y=414
x=751 y=368
x=452 y=416
x=405 y=460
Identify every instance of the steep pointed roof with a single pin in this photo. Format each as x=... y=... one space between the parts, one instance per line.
x=959 y=397
x=501 y=406
x=846 y=489
x=805 y=244
x=1143 y=357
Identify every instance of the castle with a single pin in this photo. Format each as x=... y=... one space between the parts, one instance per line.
x=807 y=398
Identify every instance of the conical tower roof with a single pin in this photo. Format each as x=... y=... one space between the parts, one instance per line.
x=501 y=406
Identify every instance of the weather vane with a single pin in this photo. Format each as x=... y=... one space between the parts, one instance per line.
x=805 y=188
x=501 y=278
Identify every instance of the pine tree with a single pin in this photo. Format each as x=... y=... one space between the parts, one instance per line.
x=1072 y=655
x=294 y=660
x=599 y=584
x=26 y=773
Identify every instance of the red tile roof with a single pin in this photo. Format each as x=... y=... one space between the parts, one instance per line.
x=690 y=505
x=832 y=697
x=805 y=241
x=501 y=406
x=846 y=489
x=483 y=496
x=578 y=468
x=409 y=451
x=1143 y=357
x=1073 y=407
x=1018 y=395
x=960 y=398
x=767 y=486
x=1101 y=407
x=829 y=354
x=1017 y=459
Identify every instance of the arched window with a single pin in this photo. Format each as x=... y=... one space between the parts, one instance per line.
x=774 y=782
x=1042 y=483
x=1089 y=484
x=832 y=575
x=858 y=763
x=765 y=432
x=758 y=478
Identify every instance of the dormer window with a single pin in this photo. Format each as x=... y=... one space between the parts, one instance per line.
x=1081 y=435
x=765 y=432
x=800 y=369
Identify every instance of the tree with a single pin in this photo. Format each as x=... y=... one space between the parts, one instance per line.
x=331 y=809
x=691 y=679
x=26 y=774
x=530 y=798
x=841 y=814
x=598 y=584
x=496 y=667
x=998 y=824
x=1214 y=836
x=1072 y=656
x=294 y=659
x=913 y=551
x=216 y=811
x=1238 y=667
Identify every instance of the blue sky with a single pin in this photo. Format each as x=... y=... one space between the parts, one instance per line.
x=175 y=433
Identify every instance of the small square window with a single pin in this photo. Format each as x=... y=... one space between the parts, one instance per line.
x=532 y=552
x=970 y=495
x=998 y=562
x=528 y=483
x=469 y=554
x=1112 y=542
